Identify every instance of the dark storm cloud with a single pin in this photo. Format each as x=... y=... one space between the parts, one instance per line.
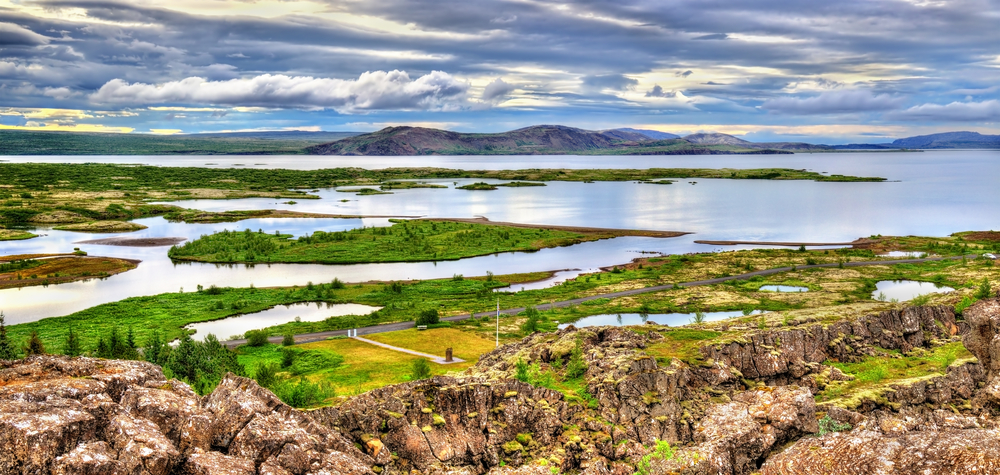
x=914 y=58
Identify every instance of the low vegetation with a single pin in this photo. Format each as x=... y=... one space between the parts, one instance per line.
x=404 y=241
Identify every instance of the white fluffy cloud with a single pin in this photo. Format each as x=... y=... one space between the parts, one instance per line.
x=373 y=90
x=834 y=102
x=953 y=112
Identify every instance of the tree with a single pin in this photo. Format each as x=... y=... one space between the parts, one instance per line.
x=420 y=370
x=72 y=346
x=531 y=324
x=156 y=350
x=428 y=317
x=34 y=346
x=7 y=351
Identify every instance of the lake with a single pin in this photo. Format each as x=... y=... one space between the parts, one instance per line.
x=932 y=193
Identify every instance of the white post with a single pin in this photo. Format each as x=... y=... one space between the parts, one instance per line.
x=498 y=322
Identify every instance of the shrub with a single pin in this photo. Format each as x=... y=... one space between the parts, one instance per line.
x=256 y=338
x=428 y=317
x=337 y=284
x=828 y=424
x=521 y=371
x=267 y=375
x=964 y=304
x=287 y=358
x=420 y=369
x=984 y=291
x=303 y=393
x=288 y=340
x=921 y=300
x=576 y=366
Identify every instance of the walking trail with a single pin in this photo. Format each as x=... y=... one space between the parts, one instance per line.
x=436 y=359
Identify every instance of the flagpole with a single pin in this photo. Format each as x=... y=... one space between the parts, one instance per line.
x=498 y=322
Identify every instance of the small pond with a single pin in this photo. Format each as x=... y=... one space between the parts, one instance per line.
x=672 y=319
x=903 y=290
x=306 y=312
x=907 y=254
x=783 y=288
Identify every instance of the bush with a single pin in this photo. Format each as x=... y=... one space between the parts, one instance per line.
x=287 y=358
x=256 y=338
x=337 y=284
x=267 y=375
x=288 y=340
x=428 y=317
x=521 y=371
x=303 y=393
x=420 y=370
x=984 y=291
x=576 y=367
x=828 y=424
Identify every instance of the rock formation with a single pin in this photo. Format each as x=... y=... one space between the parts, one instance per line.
x=745 y=404
x=89 y=416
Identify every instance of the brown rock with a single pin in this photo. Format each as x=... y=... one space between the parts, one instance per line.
x=215 y=463
x=862 y=451
x=94 y=458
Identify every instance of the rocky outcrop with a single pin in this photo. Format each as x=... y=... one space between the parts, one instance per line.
x=90 y=416
x=780 y=357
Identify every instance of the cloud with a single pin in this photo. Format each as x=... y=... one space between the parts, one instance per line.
x=658 y=91
x=715 y=36
x=834 y=102
x=986 y=111
x=684 y=74
x=497 y=90
x=617 y=82
x=373 y=90
x=11 y=34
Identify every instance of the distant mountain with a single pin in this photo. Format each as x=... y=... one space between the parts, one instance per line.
x=535 y=140
x=653 y=134
x=949 y=140
x=724 y=139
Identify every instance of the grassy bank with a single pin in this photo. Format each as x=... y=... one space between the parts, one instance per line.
x=404 y=241
x=15 y=234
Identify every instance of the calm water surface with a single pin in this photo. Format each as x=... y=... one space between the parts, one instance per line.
x=903 y=290
x=932 y=193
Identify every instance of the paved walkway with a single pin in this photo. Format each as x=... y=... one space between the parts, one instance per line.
x=391 y=327
x=436 y=359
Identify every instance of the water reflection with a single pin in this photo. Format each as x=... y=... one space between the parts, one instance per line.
x=903 y=290
x=783 y=288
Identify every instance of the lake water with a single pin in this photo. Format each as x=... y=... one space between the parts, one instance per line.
x=903 y=290
x=932 y=193
x=234 y=327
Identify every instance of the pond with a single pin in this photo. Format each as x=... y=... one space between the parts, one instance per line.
x=672 y=319
x=783 y=288
x=234 y=327
x=903 y=290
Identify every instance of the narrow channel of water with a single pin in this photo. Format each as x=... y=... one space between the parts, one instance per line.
x=235 y=327
x=783 y=288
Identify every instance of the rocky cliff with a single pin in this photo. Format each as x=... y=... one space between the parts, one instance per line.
x=746 y=404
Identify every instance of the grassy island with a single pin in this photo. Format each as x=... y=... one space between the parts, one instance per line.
x=404 y=241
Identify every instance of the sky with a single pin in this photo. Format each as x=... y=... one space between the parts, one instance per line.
x=766 y=70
